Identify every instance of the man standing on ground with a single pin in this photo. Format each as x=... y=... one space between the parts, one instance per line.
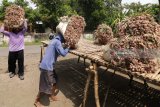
x=16 y=49
x=48 y=77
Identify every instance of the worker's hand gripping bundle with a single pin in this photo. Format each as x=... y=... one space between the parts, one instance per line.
x=14 y=17
x=138 y=45
x=71 y=28
x=103 y=34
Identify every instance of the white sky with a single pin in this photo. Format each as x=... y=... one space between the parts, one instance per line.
x=30 y=4
x=141 y=1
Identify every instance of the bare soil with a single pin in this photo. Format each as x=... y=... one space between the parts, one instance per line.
x=72 y=77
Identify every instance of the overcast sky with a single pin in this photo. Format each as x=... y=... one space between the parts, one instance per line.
x=141 y=1
x=31 y=4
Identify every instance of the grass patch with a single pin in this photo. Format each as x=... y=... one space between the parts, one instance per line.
x=4 y=44
x=36 y=42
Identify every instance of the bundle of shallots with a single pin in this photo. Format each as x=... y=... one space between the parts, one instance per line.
x=72 y=28
x=138 y=26
x=103 y=34
x=137 y=47
x=14 y=16
x=139 y=54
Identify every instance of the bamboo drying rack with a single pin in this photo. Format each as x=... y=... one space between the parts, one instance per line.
x=87 y=50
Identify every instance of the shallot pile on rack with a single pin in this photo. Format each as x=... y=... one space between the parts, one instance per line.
x=137 y=45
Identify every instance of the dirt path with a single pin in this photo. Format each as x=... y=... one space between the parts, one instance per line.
x=17 y=93
x=72 y=77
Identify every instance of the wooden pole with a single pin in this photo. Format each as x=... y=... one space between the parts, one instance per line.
x=96 y=85
x=78 y=59
x=84 y=61
x=42 y=53
x=86 y=89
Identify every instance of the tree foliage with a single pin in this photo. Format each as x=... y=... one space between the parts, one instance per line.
x=51 y=10
x=100 y=11
x=138 y=8
x=3 y=6
x=95 y=12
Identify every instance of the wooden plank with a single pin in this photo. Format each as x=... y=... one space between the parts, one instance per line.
x=156 y=73
x=156 y=78
x=152 y=75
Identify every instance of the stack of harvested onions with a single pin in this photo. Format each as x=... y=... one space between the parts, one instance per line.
x=138 y=44
x=103 y=34
x=138 y=26
x=136 y=53
x=72 y=29
x=14 y=17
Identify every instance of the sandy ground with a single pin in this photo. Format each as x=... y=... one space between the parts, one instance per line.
x=72 y=77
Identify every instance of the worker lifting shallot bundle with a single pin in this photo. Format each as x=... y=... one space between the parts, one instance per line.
x=14 y=17
x=71 y=28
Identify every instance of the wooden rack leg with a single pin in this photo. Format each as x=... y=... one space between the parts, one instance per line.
x=96 y=85
x=78 y=59
x=84 y=61
x=114 y=73
x=105 y=98
x=145 y=84
x=131 y=80
x=86 y=89
x=106 y=95
x=42 y=53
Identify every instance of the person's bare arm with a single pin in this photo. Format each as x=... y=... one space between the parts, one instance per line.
x=6 y=33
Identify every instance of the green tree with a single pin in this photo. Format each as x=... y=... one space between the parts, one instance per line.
x=22 y=3
x=137 y=8
x=51 y=10
x=159 y=11
x=3 y=6
x=93 y=12
x=100 y=11
x=114 y=11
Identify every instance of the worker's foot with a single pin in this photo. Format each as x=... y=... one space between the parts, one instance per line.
x=53 y=98
x=38 y=104
x=21 y=77
x=11 y=75
x=56 y=92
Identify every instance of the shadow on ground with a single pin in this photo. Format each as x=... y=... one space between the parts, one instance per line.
x=72 y=78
